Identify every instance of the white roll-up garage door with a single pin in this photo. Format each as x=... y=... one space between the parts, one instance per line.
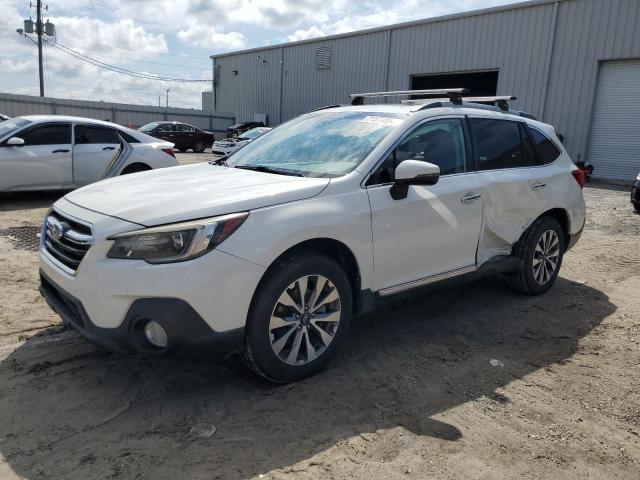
x=614 y=144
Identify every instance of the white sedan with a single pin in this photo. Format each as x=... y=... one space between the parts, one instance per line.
x=227 y=146
x=44 y=152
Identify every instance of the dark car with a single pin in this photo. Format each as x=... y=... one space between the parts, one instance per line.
x=240 y=128
x=3 y=117
x=635 y=194
x=183 y=135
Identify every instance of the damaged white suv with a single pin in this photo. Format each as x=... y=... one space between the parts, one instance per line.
x=273 y=250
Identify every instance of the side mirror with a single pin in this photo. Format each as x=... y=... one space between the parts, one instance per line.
x=15 y=142
x=413 y=172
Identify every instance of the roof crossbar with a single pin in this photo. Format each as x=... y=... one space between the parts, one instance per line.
x=454 y=94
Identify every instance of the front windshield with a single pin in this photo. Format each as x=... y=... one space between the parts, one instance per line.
x=12 y=125
x=319 y=144
x=148 y=127
x=253 y=133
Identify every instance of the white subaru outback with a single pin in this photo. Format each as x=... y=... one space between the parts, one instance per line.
x=327 y=215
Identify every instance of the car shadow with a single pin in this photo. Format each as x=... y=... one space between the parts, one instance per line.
x=27 y=200
x=68 y=410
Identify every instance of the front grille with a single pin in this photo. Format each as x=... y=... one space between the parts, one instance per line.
x=66 y=239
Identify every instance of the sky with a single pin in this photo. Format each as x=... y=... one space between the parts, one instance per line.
x=174 y=38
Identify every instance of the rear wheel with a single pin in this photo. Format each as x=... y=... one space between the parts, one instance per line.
x=541 y=250
x=300 y=315
x=199 y=146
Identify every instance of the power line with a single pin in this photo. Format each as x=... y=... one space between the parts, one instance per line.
x=116 y=69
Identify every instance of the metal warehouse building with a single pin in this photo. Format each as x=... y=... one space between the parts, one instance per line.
x=572 y=63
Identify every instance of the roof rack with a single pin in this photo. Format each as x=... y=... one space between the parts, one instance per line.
x=454 y=94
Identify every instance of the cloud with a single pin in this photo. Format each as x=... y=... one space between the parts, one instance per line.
x=9 y=66
x=207 y=37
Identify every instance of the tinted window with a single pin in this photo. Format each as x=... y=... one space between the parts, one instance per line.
x=181 y=127
x=95 y=134
x=547 y=151
x=527 y=147
x=499 y=144
x=128 y=138
x=440 y=142
x=52 y=134
x=165 y=127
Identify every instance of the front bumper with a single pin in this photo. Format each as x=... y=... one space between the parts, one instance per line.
x=184 y=327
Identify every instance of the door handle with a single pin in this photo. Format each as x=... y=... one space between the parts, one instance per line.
x=109 y=148
x=470 y=198
x=62 y=150
x=537 y=186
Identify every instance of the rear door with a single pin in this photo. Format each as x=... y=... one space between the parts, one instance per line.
x=44 y=161
x=508 y=167
x=435 y=229
x=95 y=148
x=184 y=136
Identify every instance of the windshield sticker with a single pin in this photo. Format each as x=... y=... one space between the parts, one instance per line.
x=381 y=120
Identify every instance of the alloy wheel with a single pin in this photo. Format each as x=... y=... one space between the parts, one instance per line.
x=546 y=256
x=305 y=320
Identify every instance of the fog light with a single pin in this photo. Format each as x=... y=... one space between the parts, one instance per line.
x=156 y=335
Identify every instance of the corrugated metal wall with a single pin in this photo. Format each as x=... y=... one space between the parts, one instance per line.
x=121 y=113
x=547 y=54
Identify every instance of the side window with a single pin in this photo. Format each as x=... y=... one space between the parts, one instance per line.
x=165 y=127
x=52 y=134
x=127 y=137
x=547 y=151
x=95 y=134
x=499 y=144
x=440 y=142
x=527 y=147
x=181 y=127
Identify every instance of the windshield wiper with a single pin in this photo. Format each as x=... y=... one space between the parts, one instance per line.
x=220 y=161
x=265 y=169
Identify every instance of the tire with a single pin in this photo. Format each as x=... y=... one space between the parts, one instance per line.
x=199 y=146
x=536 y=278
x=273 y=332
x=135 y=168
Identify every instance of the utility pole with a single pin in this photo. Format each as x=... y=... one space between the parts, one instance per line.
x=168 y=90
x=39 y=29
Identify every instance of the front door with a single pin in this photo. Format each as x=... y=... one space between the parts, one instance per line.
x=94 y=150
x=435 y=229
x=44 y=161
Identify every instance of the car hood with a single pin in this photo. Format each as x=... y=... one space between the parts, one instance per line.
x=169 y=195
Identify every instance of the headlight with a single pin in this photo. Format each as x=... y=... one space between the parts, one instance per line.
x=177 y=242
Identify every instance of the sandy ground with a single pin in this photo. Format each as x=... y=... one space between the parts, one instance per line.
x=468 y=382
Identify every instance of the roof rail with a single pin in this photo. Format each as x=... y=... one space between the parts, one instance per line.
x=454 y=94
x=499 y=101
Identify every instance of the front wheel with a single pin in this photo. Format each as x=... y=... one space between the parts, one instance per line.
x=541 y=250
x=299 y=317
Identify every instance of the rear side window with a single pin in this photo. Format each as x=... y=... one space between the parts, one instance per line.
x=52 y=134
x=181 y=127
x=499 y=144
x=546 y=150
x=95 y=134
x=128 y=138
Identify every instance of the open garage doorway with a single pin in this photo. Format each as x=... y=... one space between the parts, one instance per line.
x=480 y=84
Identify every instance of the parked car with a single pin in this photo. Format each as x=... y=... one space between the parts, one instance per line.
x=240 y=128
x=635 y=194
x=227 y=146
x=273 y=251
x=43 y=152
x=183 y=135
x=3 y=117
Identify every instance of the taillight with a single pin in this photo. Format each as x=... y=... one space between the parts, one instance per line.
x=169 y=151
x=579 y=176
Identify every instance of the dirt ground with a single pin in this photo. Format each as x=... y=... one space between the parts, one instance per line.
x=467 y=382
